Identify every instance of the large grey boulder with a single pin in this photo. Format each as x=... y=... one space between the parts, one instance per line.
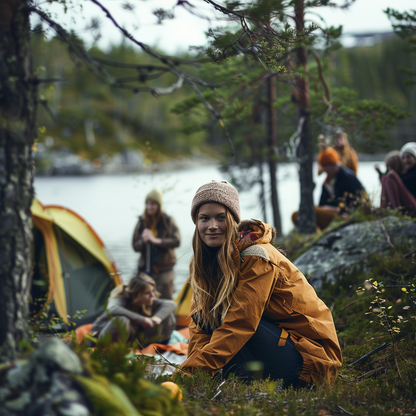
x=349 y=247
x=42 y=385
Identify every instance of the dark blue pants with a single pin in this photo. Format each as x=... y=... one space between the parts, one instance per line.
x=278 y=362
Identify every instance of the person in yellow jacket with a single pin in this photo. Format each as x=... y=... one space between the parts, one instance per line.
x=251 y=304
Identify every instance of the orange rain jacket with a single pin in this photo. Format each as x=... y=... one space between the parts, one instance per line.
x=269 y=285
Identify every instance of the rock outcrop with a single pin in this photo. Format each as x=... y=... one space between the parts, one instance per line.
x=43 y=385
x=351 y=246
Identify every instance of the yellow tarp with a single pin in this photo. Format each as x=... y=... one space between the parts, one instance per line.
x=183 y=305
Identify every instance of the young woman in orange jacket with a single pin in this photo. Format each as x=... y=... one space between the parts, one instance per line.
x=250 y=303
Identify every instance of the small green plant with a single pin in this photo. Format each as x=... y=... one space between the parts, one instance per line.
x=45 y=321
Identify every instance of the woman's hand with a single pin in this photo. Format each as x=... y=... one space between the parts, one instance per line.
x=181 y=373
x=147 y=235
x=156 y=320
x=149 y=322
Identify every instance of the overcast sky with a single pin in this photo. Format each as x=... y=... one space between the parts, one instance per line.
x=186 y=29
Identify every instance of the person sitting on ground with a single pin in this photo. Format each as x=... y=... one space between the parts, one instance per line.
x=393 y=192
x=347 y=155
x=408 y=154
x=341 y=191
x=250 y=303
x=392 y=163
x=135 y=310
x=155 y=237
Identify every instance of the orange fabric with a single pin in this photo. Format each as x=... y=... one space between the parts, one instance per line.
x=327 y=156
x=324 y=217
x=276 y=289
x=180 y=348
x=283 y=338
x=81 y=331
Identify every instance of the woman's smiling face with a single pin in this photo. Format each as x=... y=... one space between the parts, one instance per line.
x=408 y=160
x=211 y=224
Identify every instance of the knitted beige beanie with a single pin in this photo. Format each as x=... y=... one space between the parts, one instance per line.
x=221 y=192
x=155 y=195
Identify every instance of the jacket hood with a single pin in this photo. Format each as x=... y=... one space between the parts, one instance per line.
x=254 y=232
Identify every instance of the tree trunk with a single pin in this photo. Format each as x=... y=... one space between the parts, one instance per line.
x=262 y=192
x=18 y=102
x=271 y=158
x=306 y=216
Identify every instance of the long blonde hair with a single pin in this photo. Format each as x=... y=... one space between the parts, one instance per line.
x=213 y=294
x=136 y=286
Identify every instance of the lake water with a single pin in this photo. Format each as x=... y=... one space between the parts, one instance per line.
x=111 y=204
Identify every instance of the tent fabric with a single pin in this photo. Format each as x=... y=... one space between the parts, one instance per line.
x=183 y=302
x=82 y=232
x=56 y=285
x=79 y=271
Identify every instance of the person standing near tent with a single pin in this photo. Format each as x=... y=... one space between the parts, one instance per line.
x=136 y=308
x=155 y=237
x=250 y=303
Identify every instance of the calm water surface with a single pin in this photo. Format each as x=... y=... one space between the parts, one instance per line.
x=111 y=204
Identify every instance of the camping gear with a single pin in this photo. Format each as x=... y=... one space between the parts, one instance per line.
x=148 y=259
x=183 y=305
x=72 y=269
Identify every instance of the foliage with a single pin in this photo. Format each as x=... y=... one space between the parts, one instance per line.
x=118 y=119
x=360 y=87
x=115 y=364
x=367 y=119
x=404 y=25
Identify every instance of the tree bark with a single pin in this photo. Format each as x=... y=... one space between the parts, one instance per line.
x=306 y=215
x=271 y=158
x=18 y=104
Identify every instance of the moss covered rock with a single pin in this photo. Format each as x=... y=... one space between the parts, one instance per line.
x=354 y=246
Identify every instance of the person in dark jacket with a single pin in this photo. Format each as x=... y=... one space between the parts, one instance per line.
x=394 y=193
x=341 y=190
x=155 y=237
x=134 y=313
x=408 y=154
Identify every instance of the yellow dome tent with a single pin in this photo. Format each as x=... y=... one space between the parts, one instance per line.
x=72 y=270
x=183 y=305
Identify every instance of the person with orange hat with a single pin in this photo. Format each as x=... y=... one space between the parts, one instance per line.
x=341 y=190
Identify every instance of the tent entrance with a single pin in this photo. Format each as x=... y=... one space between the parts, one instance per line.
x=87 y=282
